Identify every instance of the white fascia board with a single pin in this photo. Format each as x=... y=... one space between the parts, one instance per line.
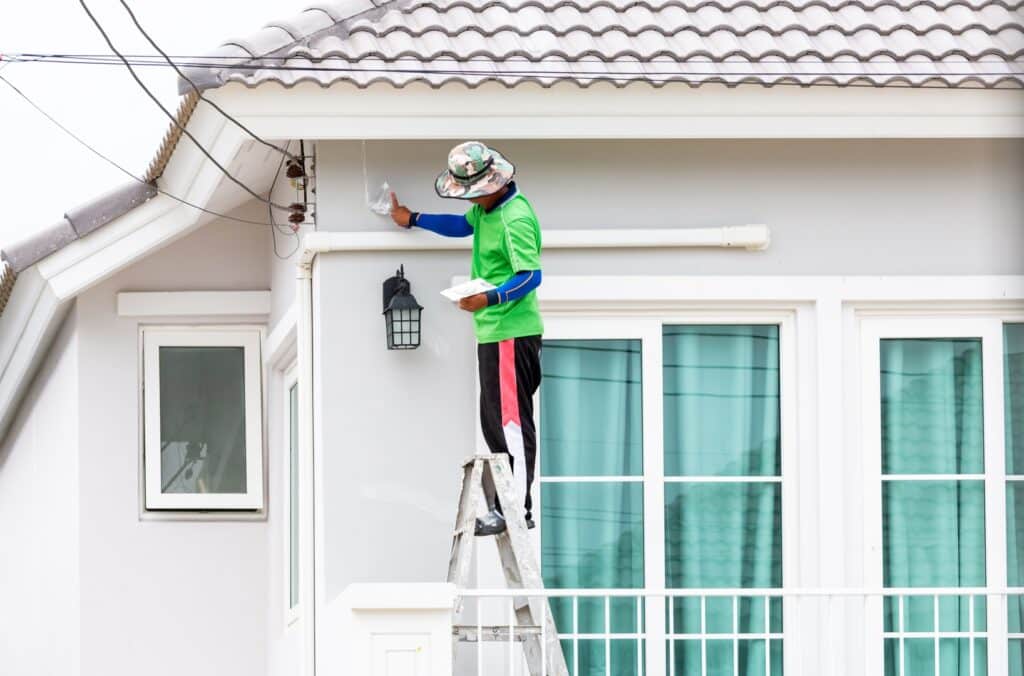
x=636 y=112
x=29 y=322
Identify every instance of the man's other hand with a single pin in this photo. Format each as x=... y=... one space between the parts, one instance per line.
x=399 y=214
x=473 y=303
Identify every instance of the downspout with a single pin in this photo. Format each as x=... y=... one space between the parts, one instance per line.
x=304 y=346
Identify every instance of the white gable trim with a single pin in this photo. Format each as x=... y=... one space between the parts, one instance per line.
x=44 y=291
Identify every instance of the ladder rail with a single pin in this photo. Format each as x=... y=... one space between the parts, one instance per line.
x=487 y=479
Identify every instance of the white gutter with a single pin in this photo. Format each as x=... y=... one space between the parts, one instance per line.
x=750 y=237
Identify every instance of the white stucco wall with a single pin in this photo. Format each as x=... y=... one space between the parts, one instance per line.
x=939 y=206
x=393 y=426
x=39 y=521
x=162 y=597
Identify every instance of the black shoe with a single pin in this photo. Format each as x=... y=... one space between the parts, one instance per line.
x=490 y=523
x=530 y=523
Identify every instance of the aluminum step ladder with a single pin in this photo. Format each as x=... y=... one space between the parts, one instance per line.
x=485 y=478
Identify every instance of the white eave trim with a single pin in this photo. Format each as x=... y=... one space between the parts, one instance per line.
x=193 y=303
x=566 y=111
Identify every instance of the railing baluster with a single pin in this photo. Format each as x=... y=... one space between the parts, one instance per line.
x=544 y=639
x=639 y=634
x=736 y=636
x=479 y=636
x=607 y=635
x=511 y=636
x=576 y=635
x=671 y=636
x=970 y=631
x=899 y=624
x=829 y=639
x=703 y=636
x=767 y=641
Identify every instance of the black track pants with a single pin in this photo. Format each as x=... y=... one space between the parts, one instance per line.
x=509 y=377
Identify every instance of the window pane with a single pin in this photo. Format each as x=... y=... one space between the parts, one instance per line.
x=721 y=400
x=724 y=535
x=933 y=533
x=592 y=535
x=932 y=406
x=591 y=408
x=202 y=420
x=293 y=495
x=1013 y=341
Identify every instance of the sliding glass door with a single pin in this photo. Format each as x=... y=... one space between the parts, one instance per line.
x=661 y=456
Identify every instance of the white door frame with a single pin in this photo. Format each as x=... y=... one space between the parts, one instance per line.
x=988 y=327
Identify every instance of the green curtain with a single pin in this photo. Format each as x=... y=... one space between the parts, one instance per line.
x=933 y=531
x=591 y=425
x=722 y=419
x=1013 y=387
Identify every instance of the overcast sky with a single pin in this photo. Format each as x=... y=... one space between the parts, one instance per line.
x=43 y=172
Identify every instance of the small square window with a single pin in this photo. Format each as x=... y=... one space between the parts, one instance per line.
x=202 y=416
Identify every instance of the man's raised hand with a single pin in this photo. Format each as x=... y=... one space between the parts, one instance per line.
x=399 y=214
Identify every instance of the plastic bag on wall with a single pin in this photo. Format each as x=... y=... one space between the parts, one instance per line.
x=381 y=204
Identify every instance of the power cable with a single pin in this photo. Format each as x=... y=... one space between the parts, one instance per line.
x=213 y=60
x=117 y=166
x=692 y=78
x=196 y=89
x=620 y=74
x=172 y=117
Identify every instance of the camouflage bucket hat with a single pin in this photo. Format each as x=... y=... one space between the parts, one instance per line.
x=474 y=170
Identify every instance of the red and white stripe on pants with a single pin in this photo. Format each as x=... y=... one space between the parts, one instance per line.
x=510 y=374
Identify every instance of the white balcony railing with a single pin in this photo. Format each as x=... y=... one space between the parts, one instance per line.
x=811 y=632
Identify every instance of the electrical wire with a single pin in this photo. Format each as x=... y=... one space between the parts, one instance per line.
x=195 y=88
x=620 y=75
x=117 y=166
x=171 y=116
x=212 y=60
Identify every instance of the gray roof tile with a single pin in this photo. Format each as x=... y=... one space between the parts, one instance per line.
x=878 y=42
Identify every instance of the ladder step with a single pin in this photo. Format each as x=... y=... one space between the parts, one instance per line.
x=467 y=633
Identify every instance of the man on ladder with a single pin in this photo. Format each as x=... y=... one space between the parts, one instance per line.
x=506 y=253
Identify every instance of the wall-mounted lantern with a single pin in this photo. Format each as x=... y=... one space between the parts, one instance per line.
x=401 y=313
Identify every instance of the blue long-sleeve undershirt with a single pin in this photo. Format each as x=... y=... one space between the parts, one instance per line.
x=520 y=284
x=449 y=225
x=454 y=225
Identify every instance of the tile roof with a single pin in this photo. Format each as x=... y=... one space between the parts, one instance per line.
x=949 y=43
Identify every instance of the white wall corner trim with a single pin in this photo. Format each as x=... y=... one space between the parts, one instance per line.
x=193 y=303
x=279 y=347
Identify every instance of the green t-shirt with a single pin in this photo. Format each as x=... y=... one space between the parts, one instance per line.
x=506 y=240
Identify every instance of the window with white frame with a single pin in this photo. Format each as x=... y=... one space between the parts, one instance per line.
x=945 y=436
x=661 y=447
x=202 y=418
